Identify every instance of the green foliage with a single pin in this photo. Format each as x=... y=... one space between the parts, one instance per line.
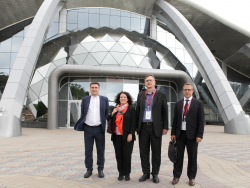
x=78 y=92
x=3 y=81
x=41 y=109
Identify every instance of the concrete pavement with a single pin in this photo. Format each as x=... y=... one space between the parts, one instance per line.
x=55 y=159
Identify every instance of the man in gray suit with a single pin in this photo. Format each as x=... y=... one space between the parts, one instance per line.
x=94 y=116
x=187 y=131
x=152 y=123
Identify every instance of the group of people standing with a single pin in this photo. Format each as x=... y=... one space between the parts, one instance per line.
x=149 y=119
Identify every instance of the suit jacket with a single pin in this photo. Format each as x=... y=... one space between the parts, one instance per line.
x=159 y=112
x=129 y=123
x=104 y=106
x=194 y=119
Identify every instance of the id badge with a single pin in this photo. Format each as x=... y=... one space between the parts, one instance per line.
x=148 y=114
x=183 y=126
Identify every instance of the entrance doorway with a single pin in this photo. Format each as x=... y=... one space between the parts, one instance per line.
x=73 y=112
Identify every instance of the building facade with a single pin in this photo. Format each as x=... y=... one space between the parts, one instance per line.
x=52 y=58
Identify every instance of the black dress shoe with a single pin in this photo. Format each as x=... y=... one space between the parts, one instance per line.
x=127 y=177
x=191 y=182
x=120 y=177
x=100 y=174
x=144 y=177
x=156 y=179
x=87 y=174
x=175 y=181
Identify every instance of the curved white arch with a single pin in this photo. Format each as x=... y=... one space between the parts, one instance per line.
x=235 y=119
x=13 y=98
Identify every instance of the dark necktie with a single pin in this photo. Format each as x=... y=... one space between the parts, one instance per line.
x=185 y=110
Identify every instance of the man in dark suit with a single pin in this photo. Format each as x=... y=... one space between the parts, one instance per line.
x=187 y=131
x=94 y=114
x=152 y=123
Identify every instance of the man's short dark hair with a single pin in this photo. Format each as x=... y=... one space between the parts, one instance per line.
x=148 y=76
x=92 y=83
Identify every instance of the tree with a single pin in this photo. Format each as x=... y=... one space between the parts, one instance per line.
x=3 y=81
x=78 y=92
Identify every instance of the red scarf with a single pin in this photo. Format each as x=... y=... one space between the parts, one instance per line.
x=119 y=118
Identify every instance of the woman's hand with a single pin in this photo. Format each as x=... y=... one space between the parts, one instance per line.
x=129 y=138
x=114 y=111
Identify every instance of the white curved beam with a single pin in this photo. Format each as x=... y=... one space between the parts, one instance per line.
x=235 y=119
x=21 y=74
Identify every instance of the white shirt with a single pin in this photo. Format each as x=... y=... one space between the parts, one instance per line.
x=183 y=126
x=93 y=115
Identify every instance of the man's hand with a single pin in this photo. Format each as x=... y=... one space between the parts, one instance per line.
x=198 y=139
x=173 y=138
x=164 y=131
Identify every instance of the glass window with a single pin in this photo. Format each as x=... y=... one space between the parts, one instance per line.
x=71 y=27
x=105 y=11
x=53 y=30
x=94 y=20
x=125 y=14
x=16 y=43
x=5 y=60
x=83 y=20
x=126 y=23
x=5 y=46
x=135 y=24
x=115 y=21
x=104 y=20
x=4 y=72
x=12 y=59
x=94 y=10
x=72 y=16
x=115 y=12
x=83 y=10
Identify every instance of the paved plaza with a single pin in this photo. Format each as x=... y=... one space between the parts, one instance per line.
x=42 y=158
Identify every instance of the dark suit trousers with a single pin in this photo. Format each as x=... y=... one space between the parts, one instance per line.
x=91 y=135
x=148 y=138
x=192 y=149
x=123 y=154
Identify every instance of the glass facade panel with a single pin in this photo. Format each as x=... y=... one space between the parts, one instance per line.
x=115 y=21
x=16 y=44
x=72 y=17
x=115 y=12
x=5 y=60
x=105 y=17
x=125 y=23
x=83 y=20
x=104 y=20
x=135 y=24
x=105 y=11
x=5 y=46
x=94 y=20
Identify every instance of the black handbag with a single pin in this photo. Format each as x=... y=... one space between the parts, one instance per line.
x=172 y=151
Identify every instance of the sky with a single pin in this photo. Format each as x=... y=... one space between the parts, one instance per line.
x=234 y=13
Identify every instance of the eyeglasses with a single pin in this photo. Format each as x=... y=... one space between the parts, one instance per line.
x=188 y=90
x=149 y=80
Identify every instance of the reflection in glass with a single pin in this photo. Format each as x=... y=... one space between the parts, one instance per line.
x=5 y=60
x=77 y=91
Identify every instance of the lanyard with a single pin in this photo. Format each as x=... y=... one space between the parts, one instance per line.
x=186 y=109
x=151 y=98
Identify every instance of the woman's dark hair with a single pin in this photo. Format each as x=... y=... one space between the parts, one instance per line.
x=117 y=98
